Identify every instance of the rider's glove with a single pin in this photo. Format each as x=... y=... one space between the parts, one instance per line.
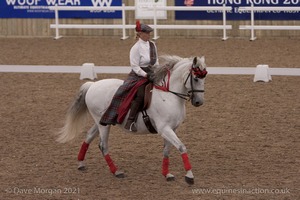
x=150 y=76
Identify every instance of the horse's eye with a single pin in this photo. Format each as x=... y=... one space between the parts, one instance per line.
x=196 y=79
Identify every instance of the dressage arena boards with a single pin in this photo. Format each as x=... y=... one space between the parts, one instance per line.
x=243 y=142
x=125 y=70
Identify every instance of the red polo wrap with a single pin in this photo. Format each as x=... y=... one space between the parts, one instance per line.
x=165 y=166
x=110 y=163
x=83 y=150
x=186 y=162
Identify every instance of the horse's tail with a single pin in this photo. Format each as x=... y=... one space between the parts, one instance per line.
x=75 y=116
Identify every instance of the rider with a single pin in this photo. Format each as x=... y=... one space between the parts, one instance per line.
x=143 y=55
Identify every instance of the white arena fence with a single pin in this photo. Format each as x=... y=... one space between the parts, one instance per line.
x=156 y=26
x=126 y=69
x=122 y=26
x=253 y=27
x=125 y=26
x=223 y=27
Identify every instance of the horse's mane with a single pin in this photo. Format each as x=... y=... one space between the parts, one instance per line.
x=166 y=63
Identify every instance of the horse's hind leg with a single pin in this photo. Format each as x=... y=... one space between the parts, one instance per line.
x=92 y=133
x=166 y=162
x=103 y=146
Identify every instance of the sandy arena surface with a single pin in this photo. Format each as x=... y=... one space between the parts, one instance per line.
x=243 y=143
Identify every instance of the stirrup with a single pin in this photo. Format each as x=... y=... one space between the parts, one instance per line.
x=131 y=127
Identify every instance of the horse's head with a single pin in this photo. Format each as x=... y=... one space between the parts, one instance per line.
x=191 y=71
x=195 y=81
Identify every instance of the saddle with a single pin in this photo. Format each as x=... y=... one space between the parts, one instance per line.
x=125 y=105
x=148 y=95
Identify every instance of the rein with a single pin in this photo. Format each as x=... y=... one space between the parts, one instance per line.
x=188 y=96
x=165 y=88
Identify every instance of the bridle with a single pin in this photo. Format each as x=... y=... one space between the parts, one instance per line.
x=198 y=73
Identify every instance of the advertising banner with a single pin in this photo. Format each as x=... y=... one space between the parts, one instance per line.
x=39 y=8
x=235 y=14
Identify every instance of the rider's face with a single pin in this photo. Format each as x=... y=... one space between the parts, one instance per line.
x=145 y=36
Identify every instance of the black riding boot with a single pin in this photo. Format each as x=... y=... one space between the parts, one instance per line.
x=134 y=109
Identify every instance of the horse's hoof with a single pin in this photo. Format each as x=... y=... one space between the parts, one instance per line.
x=170 y=177
x=120 y=174
x=189 y=180
x=81 y=168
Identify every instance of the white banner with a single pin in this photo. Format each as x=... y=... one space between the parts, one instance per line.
x=142 y=11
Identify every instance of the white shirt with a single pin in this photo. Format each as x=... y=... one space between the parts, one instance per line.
x=140 y=56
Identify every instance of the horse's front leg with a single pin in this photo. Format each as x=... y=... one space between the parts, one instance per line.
x=103 y=146
x=169 y=135
x=189 y=177
x=166 y=162
x=92 y=133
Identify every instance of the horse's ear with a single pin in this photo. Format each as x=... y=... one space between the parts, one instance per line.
x=195 y=61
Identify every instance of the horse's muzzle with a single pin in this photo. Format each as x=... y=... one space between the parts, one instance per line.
x=197 y=103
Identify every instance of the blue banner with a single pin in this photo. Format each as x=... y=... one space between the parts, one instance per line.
x=235 y=14
x=39 y=9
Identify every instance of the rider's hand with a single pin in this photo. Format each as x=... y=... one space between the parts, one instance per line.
x=150 y=76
